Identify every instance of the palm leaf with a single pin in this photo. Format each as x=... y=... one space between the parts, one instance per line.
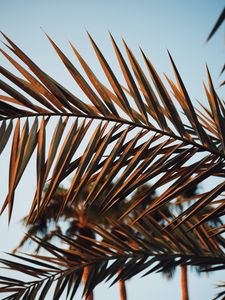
x=152 y=250
x=133 y=134
x=217 y=24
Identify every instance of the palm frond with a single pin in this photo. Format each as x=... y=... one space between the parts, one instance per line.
x=217 y=24
x=113 y=256
x=133 y=134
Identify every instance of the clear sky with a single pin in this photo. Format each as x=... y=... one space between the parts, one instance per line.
x=178 y=25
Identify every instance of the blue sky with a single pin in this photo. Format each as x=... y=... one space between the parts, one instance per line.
x=178 y=25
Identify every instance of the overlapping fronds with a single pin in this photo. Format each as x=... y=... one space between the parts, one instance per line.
x=145 y=250
x=125 y=135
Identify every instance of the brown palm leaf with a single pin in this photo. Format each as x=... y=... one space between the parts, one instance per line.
x=134 y=134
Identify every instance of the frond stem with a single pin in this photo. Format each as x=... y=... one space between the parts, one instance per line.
x=126 y=122
x=138 y=255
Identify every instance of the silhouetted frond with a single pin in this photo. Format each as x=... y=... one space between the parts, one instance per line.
x=217 y=24
x=147 y=249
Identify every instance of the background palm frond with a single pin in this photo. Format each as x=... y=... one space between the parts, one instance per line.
x=119 y=252
x=217 y=24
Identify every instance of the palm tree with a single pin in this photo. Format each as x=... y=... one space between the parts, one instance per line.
x=179 y=205
x=131 y=135
x=163 y=214
x=151 y=249
x=74 y=217
x=72 y=221
x=186 y=197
